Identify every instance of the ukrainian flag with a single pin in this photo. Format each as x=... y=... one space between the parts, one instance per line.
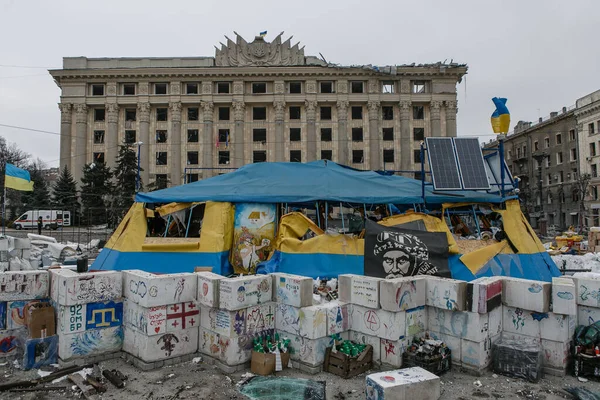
x=500 y=117
x=17 y=178
x=263 y=34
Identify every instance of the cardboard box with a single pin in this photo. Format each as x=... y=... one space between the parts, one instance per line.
x=41 y=321
x=264 y=363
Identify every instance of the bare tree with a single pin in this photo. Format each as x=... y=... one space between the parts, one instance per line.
x=11 y=154
x=582 y=187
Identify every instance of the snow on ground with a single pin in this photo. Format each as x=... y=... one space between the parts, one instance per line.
x=586 y=261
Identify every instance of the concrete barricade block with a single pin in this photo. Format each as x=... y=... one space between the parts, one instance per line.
x=587 y=315
x=464 y=325
x=245 y=291
x=160 y=347
x=587 y=288
x=338 y=318
x=454 y=344
x=401 y=294
x=81 y=317
x=208 y=343
x=563 y=296
x=558 y=327
x=556 y=354
x=416 y=321
x=150 y=290
x=307 y=351
x=223 y=322
x=309 y=322
x=447 y=294
x=521 y=338
x=359 y=337
x=526 y=294
x=23 y=285
x=237 y=350
x=150 y=321
x=182 y=316
x=365 y=291
x=70 y=288
x=260 y=318
x=495 y=321
x=293 y=290
x=484 y=294
x=403 y=384
x=523 y=322
x=345 y=287
x=90 y=343
x=208 y=288
x=377 y=322
x=477 y=355
x=391 y=351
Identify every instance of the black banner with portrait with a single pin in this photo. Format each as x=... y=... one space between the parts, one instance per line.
x=393 y=252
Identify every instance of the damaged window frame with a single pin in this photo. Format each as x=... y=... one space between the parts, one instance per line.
x=161 y=181
x=130 y=136
x=192 y=135
x=98 y=137
x=161 y=136
x=295 y=155
x=162 y=114
x=325 y=113
x=326 y=135
x=97 y=89
x=224 y=158
x=388 y=156
x=162 y=158
x=161 y=88
x=191 y=88
x=419 y=134
x=224 y=114
x=193 y=113
x=129 y=89
x=130 y=114
x=259 y=156
x=259 y=87
x=388 y=134
x=358 y=134
x=191 y=157
x=224 y=135
x=223 y=87
x=99 y=114
x=357 y=112
x=259 y=113
x=419 y=87
x=388 y=87
x=327 y=155
x=418 y=113
x=98 y=157
x=326 y=87
x=259 y=135
x=387 y=113
x=295 y=87
x=358 y=155
x=295 y=134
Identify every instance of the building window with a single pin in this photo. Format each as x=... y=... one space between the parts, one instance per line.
x=418 y=175
x=536 y=146
x=548 y=162
x=549 y=198
x=573 y=154
x=592 y=149
x=356 y=86
x=387 y=113
x=295 y=156
x=130 y=114
x=223 y=157
x=357 y=134
x=99 y=114
x=388 y=134
x=594 y=171
x=595 y=196
x=295 y=87
x=161 y=158
x=130 y=137
x=224 y=136
x=549 y=180
x=558 y=138
x=357 y=157
x=259 y=135
x=259 y=87
x=546 y=143
x=192 y=135
x=192 y=158
x=97 y=90
x=418 y=87
x=509 y=154
x=326 y=135
x=325 y=113
x=518 y=153
x=419 y=134
x=223 y=113
x=591 y=128
x=162 y=114
x=259 y=113
x=388 y=156
x=223 y=87
x=418 y=112
x=416 y=156
x=98 y=137
x=295 y=134
x=161 y=181
x=191 y=88
x=561 y=177
x=326 y=155
x=357 y=112
x=189 y=178
x=572 y=135
x=160 y=88
x=387 y=87
x=326 y=87
x=259 y=156
x=559 y=157
x=129 y=89
x=161 y=136
x=193 y=113
x=295 y=113
x=99 y=158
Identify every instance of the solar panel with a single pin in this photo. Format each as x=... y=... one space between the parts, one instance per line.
x=470 y=164
x=442 y=161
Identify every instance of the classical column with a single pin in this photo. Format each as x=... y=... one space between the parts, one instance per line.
x=451 y=111
x=176 y=178
x=406 y=160
x=279 y=134
x=436 y=127
x=311 y=130
x=144 y=118
x=239 y=109
x=80 y=156
x=111 y=139
x=342 y=142
x=207 y=138
x=65 y=134
x=374 y=140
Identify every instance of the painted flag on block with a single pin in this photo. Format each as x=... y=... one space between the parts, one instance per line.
x=17 y=178
x=500 y=117
x=263 y=34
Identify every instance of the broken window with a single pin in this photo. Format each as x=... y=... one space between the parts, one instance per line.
x=259 y=156
x=325 y=113
x=193 y=113
x=558 y=138
x=259 y=87
x=418 y=133
x=592 y=149
x=189 y=178
x=161 y=158
x=356 y=86
x=418 y=112
x=259 y=135
x=259 y=113
x=594 y=171
x=546 y=143
x=97 y=90
x=326 y=155
x=161 y=136
x=572 y=135
x=295 y=87
x=326 y=135
x=295 y=134
x=357 y=157
x=357 y=112
x=223 y=113
x=416 y=156
x=160 y=88
x=130 y=114
x=162 y=114
x=192 y=135
x=99 y=158
x=98 y=137
x=387 y=113
x=192 y=158
x=387 y=87
x=223 y=157
x=559 y=157
x=129 y=89
x=357 y=134
x=224 y=136
x=295 y=156
x=418 y=86
x=536 y=146
x=99 y=114
x=388 y=134
x=295 y=113
x=573 y=154
x=388 y=156
x=223 y=87
x=161 y=181
x=591 y=128
x=130 y=137
x=191 y=88
x=326 y=87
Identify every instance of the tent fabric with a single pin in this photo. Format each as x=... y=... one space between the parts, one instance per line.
x=284 y=182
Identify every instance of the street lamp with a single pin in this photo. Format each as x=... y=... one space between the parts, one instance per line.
x=137 y=177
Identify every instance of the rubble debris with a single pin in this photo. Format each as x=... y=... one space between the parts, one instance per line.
x=114 y=378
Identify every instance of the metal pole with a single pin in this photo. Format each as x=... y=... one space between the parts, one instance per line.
x=137 y=177
x=318 y=215
x=423 y=172
x=4 y=212
x=476 y=221
x=326 y=214
x=501 y=157
x=342 y=213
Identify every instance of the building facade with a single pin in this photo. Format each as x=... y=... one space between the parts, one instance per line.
x=194 y=118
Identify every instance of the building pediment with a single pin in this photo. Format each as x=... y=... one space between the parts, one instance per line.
x=259 y=53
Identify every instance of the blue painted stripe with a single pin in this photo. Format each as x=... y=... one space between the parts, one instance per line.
x=320 y=265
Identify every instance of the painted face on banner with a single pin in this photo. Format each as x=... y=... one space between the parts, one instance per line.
x=396 y=262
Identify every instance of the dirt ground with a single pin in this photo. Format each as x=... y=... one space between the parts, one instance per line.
x=201 y=381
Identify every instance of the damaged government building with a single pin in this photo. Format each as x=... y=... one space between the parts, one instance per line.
x=257 y=101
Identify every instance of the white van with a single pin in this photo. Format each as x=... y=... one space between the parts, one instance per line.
x=51 y=219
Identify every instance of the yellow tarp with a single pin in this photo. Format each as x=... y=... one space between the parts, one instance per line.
x=475 y=260
x=174 y=207
x=217 y=227
x=518 y=230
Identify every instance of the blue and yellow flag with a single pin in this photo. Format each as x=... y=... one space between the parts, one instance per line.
x=263 y=34
x=501 y=116
x=17 y=178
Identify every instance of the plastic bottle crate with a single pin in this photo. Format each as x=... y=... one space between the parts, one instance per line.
x=436 y=364
x=345 y=366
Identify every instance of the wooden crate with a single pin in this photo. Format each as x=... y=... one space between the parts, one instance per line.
x=345 y=366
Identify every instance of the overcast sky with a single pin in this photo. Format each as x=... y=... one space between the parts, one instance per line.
x=541 y=55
